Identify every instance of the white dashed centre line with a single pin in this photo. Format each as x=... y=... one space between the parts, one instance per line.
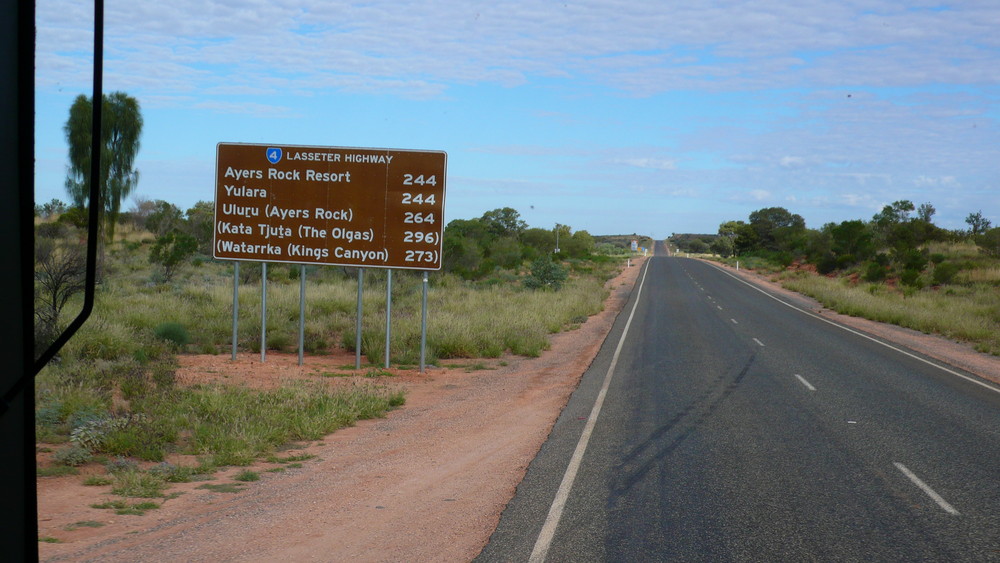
x=926 y=488
x=759 y=343
x=804 y=382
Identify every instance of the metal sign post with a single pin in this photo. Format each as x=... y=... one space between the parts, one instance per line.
x=302 y=311
x=388 y=317
x=263 y=312
x=236 y=304
x=423 y=326
x=357 y=326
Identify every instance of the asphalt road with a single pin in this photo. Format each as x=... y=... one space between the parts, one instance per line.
x=733 y=427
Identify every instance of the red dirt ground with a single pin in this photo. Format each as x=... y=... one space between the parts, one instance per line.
x=426 y=483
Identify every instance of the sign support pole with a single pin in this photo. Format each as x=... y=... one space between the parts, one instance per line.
x=302 y=311
x=263 y=312
x=423 y=327
x=388 y=317
x=357 y=324
x=236 y=304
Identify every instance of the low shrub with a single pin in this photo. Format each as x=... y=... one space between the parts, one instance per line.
x=911 y=278
x=173 y=332
x=874 y=272
x=72 y=456
x=247 y=476
x=138 y=484
x=121 y=465
x=945 y=272
x=545 y=274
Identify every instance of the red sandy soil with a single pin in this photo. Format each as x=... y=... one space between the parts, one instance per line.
x=426 y=483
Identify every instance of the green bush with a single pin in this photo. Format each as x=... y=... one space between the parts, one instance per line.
x=173 y=332
x=121 y=465
x=874 y=272
x=826 y=263
x=171 y=250
x=944 y=273
x=72 y=456
x=142 y=441
x=911 y=278
x=545 y=274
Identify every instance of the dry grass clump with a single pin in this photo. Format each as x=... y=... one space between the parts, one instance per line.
x=969 y=313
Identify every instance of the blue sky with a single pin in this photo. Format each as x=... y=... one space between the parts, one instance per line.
x=614 y=117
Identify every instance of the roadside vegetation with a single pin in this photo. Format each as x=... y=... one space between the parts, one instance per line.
x=898 y=267
x=110 y=409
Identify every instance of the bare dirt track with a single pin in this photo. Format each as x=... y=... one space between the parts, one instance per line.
x=426 y=483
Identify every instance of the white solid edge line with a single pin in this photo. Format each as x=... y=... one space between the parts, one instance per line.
x=925 y=488
x=804 y=382
x=861 y=334
x=548 y=532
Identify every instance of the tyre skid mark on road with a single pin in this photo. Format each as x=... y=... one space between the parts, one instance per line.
x=655 y=447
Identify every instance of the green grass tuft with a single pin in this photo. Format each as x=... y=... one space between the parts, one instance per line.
x=247 y=476
x=223 y=488
x=56 y=471
x=97 y=481
x=83 y=524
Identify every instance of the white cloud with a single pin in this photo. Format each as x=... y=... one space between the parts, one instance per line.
x=646 y=162
x=939 y=181
x=248 y=108
x=640 y=47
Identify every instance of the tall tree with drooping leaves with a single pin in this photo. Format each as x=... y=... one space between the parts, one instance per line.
x=120 y=132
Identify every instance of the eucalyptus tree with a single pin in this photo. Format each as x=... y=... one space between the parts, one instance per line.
x=120 y=132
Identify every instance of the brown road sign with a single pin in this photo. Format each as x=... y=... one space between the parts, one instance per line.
x=342 y=206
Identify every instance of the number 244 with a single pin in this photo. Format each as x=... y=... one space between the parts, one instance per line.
x=418 y=199
x=421 y=180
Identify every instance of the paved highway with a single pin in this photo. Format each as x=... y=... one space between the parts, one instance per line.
x=719 y=423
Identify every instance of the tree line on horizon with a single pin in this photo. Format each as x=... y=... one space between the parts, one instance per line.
x=895 y=238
